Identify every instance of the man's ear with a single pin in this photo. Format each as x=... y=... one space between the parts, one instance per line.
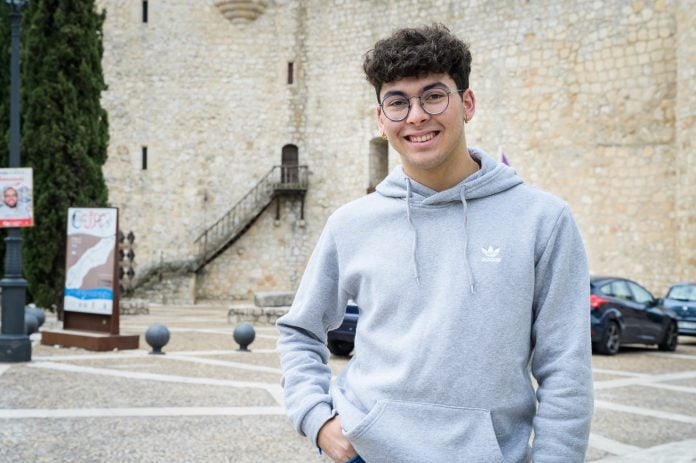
x=469 y=100
x=380 y=122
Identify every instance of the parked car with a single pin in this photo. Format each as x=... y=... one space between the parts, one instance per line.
x=624 y=312
x=621 y=312
x=341 y=341
x=681 y=300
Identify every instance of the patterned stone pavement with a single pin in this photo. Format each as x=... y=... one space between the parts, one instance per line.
x=206 y=402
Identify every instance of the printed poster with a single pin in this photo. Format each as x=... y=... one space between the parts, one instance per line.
x=16 y=209
x=90 y=260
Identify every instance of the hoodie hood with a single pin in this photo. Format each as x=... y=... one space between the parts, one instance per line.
x=490 y=179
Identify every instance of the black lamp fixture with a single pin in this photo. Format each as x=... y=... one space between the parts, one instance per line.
x=15 y=345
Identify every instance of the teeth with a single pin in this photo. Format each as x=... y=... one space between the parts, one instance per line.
x=422 y=138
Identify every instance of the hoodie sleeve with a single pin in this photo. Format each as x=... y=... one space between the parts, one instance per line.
x=562 y=356
x=319 y=306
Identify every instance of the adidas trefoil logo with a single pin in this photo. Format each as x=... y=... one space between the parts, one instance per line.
x=491 y=254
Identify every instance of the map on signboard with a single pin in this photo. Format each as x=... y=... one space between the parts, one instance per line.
x=91 y=250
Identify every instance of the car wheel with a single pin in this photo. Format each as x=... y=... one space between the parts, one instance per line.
x=341 y=348
x=611 y=340
x=670 y=339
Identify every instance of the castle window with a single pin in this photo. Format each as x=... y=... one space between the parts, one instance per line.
x=144 y=157
x=291 y=76
x=144 y=11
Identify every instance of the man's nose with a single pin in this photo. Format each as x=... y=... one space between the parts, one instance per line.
x=417 y=114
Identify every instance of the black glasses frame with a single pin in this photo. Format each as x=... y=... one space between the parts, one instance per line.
x=422 y=105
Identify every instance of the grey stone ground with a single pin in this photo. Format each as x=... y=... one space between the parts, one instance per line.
x=205 y=402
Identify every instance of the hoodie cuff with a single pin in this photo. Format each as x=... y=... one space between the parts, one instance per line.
x=315 y=419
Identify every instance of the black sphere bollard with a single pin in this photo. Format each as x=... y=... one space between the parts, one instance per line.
x=31 y=324
x=36 y=312
x=244 y=335
x=157 y=336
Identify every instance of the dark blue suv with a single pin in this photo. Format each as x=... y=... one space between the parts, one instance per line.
x=341 y=341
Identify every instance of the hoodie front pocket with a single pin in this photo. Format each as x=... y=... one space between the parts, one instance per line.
x=405 y=432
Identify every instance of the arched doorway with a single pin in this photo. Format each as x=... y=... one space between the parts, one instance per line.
x=379 y=162
x=289 y=164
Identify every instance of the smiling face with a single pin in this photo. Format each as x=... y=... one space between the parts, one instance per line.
x=432 y=148
x=10 y=197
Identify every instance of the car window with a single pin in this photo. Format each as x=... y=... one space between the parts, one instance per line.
x=606 y=289
x=641 y=295
x=683 y=293
x=618 y=289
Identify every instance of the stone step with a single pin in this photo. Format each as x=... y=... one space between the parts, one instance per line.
x=273 y=299
x=255 y=315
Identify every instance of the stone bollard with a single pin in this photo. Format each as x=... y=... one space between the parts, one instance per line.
x=36 y=312
x=244 y=334
x=157 y=336
x=31 y=324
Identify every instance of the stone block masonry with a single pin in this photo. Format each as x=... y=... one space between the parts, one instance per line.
x=592 y=101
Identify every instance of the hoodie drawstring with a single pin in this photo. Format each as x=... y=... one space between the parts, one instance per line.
x=414 y=249
x=413 y=230
x=467 y=265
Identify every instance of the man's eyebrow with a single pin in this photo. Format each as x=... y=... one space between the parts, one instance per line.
x=392 y=93
x=424 y=89
x=433 y=85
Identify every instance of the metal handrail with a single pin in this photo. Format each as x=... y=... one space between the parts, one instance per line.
x=238 y=217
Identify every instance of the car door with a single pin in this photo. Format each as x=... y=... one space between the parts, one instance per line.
x=650 y=318
x=622 y=299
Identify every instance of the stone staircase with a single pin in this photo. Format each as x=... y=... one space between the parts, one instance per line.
x=173 y=282
x=280 y=180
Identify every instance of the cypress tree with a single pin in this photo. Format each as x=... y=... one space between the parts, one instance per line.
x=5 y=48
x=65 y=131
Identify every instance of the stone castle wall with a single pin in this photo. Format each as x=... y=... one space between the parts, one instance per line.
x=592 y=101
x=685 y=210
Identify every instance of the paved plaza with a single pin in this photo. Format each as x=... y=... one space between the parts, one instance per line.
x=206 y=402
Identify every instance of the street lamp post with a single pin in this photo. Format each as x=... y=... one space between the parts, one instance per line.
x=15 y=345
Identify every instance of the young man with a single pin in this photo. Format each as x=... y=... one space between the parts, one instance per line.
x=467 y=280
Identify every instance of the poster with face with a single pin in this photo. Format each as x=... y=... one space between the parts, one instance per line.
x=90 y=260
x=16 y=209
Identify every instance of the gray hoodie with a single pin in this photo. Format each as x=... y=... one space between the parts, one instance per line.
x=462 y=293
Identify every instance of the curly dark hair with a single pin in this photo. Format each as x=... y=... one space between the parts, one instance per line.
x=415 y=52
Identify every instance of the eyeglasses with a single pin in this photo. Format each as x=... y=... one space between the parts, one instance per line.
x=434 y=101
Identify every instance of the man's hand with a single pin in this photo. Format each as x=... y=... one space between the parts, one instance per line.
x=332 y=441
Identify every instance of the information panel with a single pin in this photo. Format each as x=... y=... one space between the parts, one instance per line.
x=91 y=260
x=16 y=206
